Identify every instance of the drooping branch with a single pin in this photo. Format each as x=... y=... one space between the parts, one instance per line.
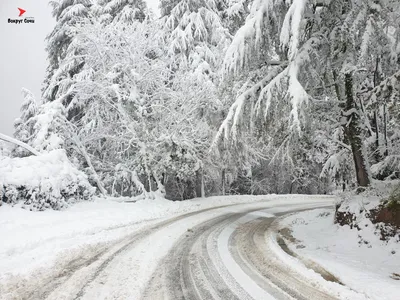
x=385 y=89
x=236 y=110
x=11 y=140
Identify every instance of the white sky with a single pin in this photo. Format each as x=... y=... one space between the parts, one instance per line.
x=22 y=55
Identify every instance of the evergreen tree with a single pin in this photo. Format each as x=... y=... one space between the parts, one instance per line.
x=69 y=15
x=123 y=12
x=24 y=125
x=196 y=34
x=198 y=37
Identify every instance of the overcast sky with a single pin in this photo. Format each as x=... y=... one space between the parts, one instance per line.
x=22 y=55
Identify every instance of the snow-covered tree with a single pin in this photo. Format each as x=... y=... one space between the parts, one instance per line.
x=69 y=15
x=310 y=57
x=235 y=14
x=125 y=108
x=122 y=12
x=24 y=125
x=223 y=95
x=196 y=34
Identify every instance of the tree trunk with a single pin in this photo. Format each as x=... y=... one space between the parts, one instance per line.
x=223 y=181
x=203 y=194
x=251 y=182
x=199 y=179
x=353 y=132
x=84 y=153
x=377 y=81
x=386 y=152
x=377 y=152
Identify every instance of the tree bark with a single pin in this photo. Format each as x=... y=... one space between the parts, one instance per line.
x=377 y=138
x=203 y=193
x=386 y=152
x=353 y=132
x=223 y=181
x=377 y=81
x=198 y=189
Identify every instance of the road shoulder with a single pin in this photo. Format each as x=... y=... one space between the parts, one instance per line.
x=355 y=258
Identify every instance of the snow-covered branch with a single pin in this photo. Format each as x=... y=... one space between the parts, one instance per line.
x=18 y=143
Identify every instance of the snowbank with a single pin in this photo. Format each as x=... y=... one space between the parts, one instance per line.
x=358 y=258
x=369 y=206
x=45 y=181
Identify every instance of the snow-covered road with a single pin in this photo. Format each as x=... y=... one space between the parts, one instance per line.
x=233 y=256
x=227 y=258
x=214 y=253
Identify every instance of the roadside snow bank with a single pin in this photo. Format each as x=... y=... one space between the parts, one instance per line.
x=378 y=204
x=45 y=181
x=358 y=258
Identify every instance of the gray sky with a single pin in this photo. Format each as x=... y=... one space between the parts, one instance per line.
x=22 y=55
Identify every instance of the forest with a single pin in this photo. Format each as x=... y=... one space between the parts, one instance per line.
x=216 y=97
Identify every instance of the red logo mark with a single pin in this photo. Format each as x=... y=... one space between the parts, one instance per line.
x=21 y=11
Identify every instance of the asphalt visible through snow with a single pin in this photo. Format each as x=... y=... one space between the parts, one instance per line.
x=218 y=253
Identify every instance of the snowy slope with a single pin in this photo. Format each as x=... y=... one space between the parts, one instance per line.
x=359 y=259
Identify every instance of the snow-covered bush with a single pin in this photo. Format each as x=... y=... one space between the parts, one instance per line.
x=42 y=182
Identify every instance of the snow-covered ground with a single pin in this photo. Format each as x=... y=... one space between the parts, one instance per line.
x=35 y=239
x=359 y=259
x=32 y=240
x=44 y=244
x=40 y=249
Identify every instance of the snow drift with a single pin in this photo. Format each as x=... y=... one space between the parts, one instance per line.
x=45 y=181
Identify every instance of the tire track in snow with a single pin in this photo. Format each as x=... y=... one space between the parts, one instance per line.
x=199 y=269
x=82 y=271
x=251 y=250
x=214 y=264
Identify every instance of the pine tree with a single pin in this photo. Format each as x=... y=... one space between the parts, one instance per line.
x=69 y=15
x=196 y=34
x=124 y=12
x=198 y=37
x=24 y=125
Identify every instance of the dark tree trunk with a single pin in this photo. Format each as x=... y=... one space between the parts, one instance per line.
x=199 y=183
x=386 y=152
x=223 y=181
x=353 y=132
x=377 y=81
x=377 y=143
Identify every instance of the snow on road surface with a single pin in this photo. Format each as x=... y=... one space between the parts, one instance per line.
x=155 y=250
x=358 y=259
x=255 y=291
x=36 y=239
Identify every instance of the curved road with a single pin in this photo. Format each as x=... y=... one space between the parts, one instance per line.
x=218 y=253
x=228 y=258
